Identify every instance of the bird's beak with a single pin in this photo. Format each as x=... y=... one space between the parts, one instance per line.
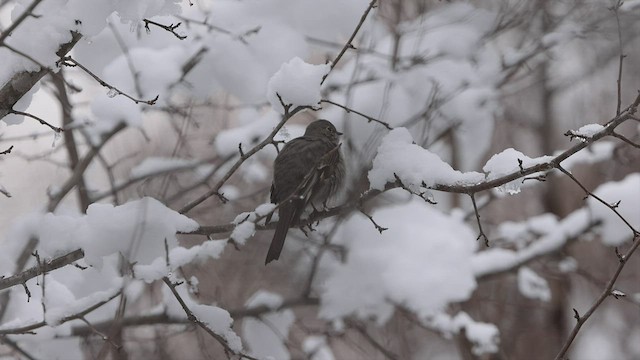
x=338 y=132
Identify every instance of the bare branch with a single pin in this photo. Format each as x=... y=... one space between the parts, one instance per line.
x=192 y=318
x=45 y=266
x=348 y=44
x=589 y=193
x=8 y=151
x=80 y=168
x=349 y=110
x=40 y=120
x=14 y=89
x=170 y=28
x=27 y=12
x=625 y=139
x=27 y=329
x=215 y=190
x=113 y=91
x=621 y=57
x=606 y=292
x=482 y=235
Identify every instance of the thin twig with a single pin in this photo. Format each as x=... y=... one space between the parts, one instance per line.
x=14 y=345
x=589 y=193
x=365 y=334
x=211 y=27
x=375 y=224
x=40 y=120
x=621 y=57
x=127 y=55
x=215 y=190
x=28 y=329
x=170 y=28
x=80 y=168
x=46 y=266
x=625 y=139
x=348 y=44
x=70 y=143
x=8 y=151
x=191 y=317
x=113 y=91
x=606 y=292
x=481 y=235
x=349 y=110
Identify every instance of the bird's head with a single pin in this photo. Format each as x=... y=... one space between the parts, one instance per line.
x=323 y=128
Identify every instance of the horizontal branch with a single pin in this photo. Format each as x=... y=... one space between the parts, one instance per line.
x=79 y=315
x=44 y=267
x=163 y=318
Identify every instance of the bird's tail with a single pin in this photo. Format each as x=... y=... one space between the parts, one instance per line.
x=287 y=214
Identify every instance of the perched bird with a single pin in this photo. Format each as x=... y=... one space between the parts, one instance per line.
x=307 y=171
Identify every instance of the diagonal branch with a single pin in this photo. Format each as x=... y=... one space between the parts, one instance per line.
x=45 y=266
x=215 y=190
x=27 y=12
x=40 y=120
x=606 y=292
x=348 y=44
x=14 y=89
x=191 y=317
x=113 y=91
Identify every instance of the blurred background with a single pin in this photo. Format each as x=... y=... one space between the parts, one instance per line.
x=467 y=79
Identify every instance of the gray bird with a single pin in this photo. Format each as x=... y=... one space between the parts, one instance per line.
x=307 y=171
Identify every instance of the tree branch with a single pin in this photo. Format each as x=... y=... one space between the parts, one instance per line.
x=44 y=267
x=14 y=89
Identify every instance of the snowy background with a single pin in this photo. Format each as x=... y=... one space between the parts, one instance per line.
x=493 y=187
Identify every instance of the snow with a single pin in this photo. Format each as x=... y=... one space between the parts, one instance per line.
x=568 y=264
x=316 y=348
x=156 y=164
x=242 y=232
x=109 y=112
x=136 y=229
x=630 y=5
x=413 y=164
x=496 y=260
x=457 y=83
x=602 y=342
x=61 y=303
x=266 y=336
x=135 y=11
x=483 y=336
x=297 y=83
x=521 y=233
x=533 y=285
x=599 y=151
x=245 y=223
x=265 y=209
x=506 y=162
x=589 y=130
x=215 y=318
x=154 y=77
x=41 y=36
x=567 y=31
x=254 y=128
x=614 y=231
x=404 y=265
x=179 y=256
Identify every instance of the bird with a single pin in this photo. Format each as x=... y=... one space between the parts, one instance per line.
x=308 y=171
